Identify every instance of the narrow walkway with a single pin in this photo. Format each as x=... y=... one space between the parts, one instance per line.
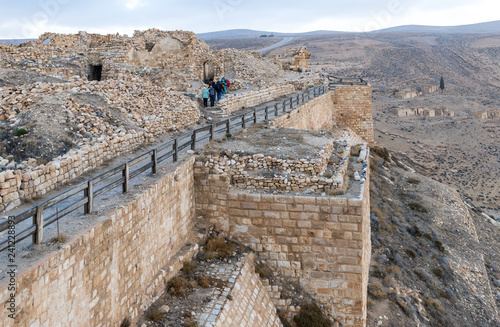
x=76 y=221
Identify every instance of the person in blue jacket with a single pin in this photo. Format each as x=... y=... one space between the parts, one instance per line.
x=205 y=95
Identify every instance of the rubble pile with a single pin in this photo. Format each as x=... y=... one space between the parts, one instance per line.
x=250 y=67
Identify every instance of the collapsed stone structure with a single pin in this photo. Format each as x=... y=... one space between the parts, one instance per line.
x=296 y=59
x=414 y=92
x=487 y=114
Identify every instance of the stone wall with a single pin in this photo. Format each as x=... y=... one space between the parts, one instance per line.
x=346 y=106
x=254 y=98
x=322 y=242
x=353 y=105
x=118 y=267
x=250 y=304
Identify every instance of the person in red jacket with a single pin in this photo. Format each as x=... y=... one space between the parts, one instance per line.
x=228 y=85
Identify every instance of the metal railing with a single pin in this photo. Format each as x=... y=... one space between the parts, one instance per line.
x=336 y=81
x=84 y=194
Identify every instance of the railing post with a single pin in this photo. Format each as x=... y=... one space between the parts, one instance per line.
x=303 y=98
x=291 y=103
x=314 y=92
x=276 y=110
x=284 y=105
x=89 y=194
x=193 y=141
x=298 y=99
x=126 y=178
x=228 y=126
x=154 y=159
x=267 y=113
x=243 y=124
x=38 y=221
x=255 y=116
x=176 y=150
x=212 y=132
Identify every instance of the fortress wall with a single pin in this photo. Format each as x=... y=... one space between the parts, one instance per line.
x=321 y=242
x=117 y=268
x=250 y=99
x=313 y=115
x=349 y=106
x=251 y=304
x=353 y=106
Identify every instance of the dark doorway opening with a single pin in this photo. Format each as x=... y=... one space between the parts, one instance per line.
x=95 y=73
x=208 y=71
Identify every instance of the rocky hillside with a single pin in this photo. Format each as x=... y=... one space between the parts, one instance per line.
x=435 y=260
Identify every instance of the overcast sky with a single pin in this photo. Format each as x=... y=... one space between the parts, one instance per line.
x=30 y=18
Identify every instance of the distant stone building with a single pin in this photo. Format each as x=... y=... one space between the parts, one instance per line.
x=423 y=112
x=407 y=94
x=296 y=59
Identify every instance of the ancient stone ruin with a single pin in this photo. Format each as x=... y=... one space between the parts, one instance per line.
x=290 y=193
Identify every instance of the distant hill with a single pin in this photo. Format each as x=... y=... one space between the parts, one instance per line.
x=481 y=28
x=242 y=33
x=15 y=41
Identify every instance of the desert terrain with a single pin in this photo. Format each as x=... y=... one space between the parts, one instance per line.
x=460 y=151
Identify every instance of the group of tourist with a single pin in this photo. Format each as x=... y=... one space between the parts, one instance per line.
x=215 y=91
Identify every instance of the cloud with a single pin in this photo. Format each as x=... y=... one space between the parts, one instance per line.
x=134 y=4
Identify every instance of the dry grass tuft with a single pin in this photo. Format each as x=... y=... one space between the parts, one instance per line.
x=220 y=246
x=415 y=206
x=188 y=266
x=61 y=238
x=204 y=281
x=178 y=286
x=155 y=315
x=310 y=315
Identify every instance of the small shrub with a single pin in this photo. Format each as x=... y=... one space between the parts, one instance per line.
x=190 y=323
x=283 y=315
x=61 y=238
x=228 y=135
x=410 y=253
x=394 y=270
x=375 y=289
x=20 y=131
x=220 y=246
x=126 y=322
x=263 y=270
x=178 y=286
x=188 y=266
x=204 y=281
x=155 y=315
x=428 y=236
x=370 y=302
x=328 y=174
x=229 y=297
x=415 y=206
x=433 y=305
x=413 y=181
x=439 y=245
x=445 y=295
x=438 y=272
x=210 y=255
x=310 y=315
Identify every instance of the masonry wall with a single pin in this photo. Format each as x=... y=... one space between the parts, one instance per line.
x=117 y=268
x=322 y=242
x=250 y=304
x=348 y=106
x=353 y=105
x=313 y=115
x=250 y=99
